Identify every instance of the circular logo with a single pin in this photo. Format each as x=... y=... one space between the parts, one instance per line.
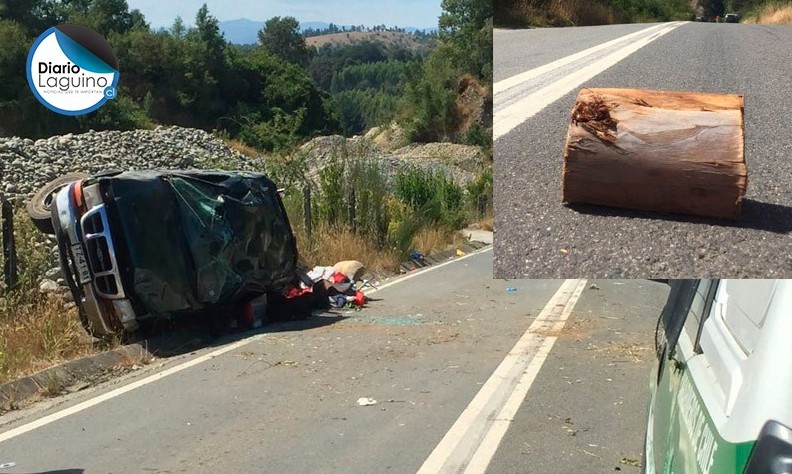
x=72 y=70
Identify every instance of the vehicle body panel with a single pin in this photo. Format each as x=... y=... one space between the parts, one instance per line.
x=727 y=375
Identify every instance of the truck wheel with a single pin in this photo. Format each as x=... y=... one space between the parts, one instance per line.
x=38 y=208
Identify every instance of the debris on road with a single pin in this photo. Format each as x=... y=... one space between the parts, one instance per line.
x=511 y=289
x=678 y=152
x=339 y=283
x=594 y=286
x=364 y=401
x=630 y=462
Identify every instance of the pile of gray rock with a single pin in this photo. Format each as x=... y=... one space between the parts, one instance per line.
x=26 y=165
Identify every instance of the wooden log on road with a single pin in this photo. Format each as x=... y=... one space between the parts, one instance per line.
x=679 y=152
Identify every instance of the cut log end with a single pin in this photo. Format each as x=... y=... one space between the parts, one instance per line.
x=679 y=152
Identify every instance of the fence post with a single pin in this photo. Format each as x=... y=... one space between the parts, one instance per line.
x=9 y=246
x=352 y=211
x=307 y=218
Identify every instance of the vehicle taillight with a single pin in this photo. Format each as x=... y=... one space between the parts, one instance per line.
x=772 y=453
x=77 y=193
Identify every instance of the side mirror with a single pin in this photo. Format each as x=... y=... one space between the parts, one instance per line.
x=772 y=453
x=674 y=314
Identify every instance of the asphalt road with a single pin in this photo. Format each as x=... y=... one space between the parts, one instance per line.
x=537 y=237
x=286 y=399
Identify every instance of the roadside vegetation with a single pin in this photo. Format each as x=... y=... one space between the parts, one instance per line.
x=524 y=13
x=765 y=13
x=37 y=330
x=358 y=211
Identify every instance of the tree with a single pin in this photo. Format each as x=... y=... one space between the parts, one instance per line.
x=282 y=37
x=713 y=8
x=466 y=30
x=103 y=16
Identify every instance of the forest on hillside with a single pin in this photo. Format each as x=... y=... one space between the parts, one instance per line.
x=273 y=95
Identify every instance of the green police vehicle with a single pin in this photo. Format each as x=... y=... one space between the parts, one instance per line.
x=721 y=394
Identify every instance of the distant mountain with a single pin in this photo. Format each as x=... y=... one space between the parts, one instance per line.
x=245 y=31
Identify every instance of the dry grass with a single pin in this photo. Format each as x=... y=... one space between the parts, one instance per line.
x=328 y=246
x=773 y=14
x=435 y=239
x=390 y=38
x=486 y=224
x=519 y=13
x=36 y=330
x=246 y=150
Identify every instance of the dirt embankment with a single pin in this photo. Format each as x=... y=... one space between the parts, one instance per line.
x=390 y=38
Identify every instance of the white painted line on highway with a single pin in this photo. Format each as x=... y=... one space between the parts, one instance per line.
x=121 y=390
x=14 y=432
x=427 y=270
x=526 y=76
x=513 y=115
x=474 y=437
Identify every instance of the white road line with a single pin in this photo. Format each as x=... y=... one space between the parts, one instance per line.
x=510 y=117
x=121 y=390
x=518 y=79
x=14 y=432
x=473 y=439
x=428 y=269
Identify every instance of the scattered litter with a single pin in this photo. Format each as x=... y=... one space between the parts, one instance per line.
x=594 y=287
x=339 y=282
x=460 y=253
x=591 y=454
x=565 y=251
x=7 y=465
x=511 y=289
x=618 y=283
x=630 y=462
x=364 y=401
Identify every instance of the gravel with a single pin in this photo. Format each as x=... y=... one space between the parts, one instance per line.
x=26 y=165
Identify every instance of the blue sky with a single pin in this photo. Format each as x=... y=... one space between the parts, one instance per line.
x=417 y=13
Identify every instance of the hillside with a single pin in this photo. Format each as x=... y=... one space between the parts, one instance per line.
x=763 y=11
x=389 y=38
x=245 y=31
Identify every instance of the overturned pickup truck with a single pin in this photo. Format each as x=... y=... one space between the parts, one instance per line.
x=139 y=245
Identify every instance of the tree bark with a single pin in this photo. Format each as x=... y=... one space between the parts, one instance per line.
x=679 y=152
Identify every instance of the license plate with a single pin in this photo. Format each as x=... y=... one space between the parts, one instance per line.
x=81 y=263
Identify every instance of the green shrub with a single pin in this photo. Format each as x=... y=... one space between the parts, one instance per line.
x=435 y=197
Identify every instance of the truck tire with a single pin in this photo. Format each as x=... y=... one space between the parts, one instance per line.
x=38 y=207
